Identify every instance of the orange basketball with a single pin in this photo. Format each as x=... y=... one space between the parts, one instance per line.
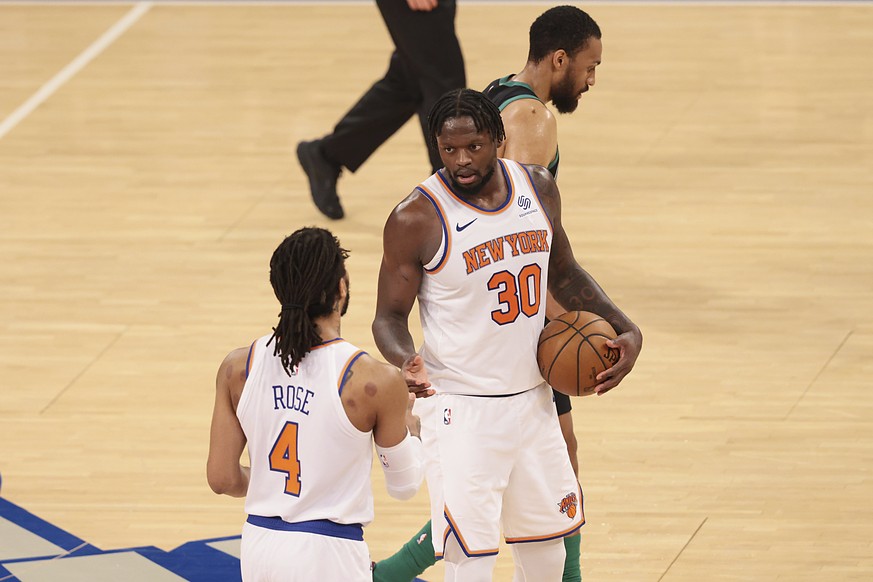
x=572 y=351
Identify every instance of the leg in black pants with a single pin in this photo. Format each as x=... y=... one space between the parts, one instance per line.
x=380 y=112
x=427 y=62
x=428 y=44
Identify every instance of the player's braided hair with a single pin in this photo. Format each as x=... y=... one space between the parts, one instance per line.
x=305 y=272
x=561 y=27
x=465 y=103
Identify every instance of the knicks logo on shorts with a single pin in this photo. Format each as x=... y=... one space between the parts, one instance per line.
x=447 y=416
x=568 y=505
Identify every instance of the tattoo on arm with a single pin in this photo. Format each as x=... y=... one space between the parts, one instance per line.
x=580 y=292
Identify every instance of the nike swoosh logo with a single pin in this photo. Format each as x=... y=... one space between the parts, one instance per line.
x=459 y=228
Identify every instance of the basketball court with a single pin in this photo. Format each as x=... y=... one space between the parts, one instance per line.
x=716 y=181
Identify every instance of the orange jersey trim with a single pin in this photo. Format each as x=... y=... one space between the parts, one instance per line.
x=341 y=382
x=500 y=209
x=249 y=358
x=567 y=532
x=551 y=536
x=453 y=526
x=326 y=343
x=439 y=555
x=447 y=233
x=536 y=192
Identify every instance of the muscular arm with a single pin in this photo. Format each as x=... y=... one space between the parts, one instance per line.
x=411 y=237
x=532 y=138
x=575 y=289
x=224 y=472
x=397 y=436
x=375 y=397
x=531 y=133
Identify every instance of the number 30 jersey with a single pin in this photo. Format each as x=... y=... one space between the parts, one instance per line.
x=308 y=461
x=482 y=297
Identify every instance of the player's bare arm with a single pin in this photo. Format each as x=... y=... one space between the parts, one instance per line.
x=531 y=133
x=375 y=398
x=577 y=290
x=224 y=472
x=532 y=138
x=411 y=237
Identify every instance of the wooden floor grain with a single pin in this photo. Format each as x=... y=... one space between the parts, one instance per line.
x=717 y=181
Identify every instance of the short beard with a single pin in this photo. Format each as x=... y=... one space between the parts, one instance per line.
x=564 y=97
x=475 y=188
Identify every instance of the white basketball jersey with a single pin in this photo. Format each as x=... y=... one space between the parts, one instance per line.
x=482 y=298
x=308 y=462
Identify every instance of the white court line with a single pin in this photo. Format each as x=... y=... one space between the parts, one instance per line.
x=76 y=65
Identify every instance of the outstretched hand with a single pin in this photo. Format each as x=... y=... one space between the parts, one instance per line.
x=629 y=345
x=415 y=375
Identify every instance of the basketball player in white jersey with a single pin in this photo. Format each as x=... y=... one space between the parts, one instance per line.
x=479 y=243
x=564 y=52
x=309 y=405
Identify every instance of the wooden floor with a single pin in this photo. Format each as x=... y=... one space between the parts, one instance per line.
x=717 y=181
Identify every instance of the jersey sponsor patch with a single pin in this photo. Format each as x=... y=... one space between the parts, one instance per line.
x=523 y=202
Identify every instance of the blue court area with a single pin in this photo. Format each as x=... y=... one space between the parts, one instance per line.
x=33 y=550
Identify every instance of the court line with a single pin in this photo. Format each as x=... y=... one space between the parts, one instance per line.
x=683 y=548
x=85 y=369
x=820 y=372
x=76 y=65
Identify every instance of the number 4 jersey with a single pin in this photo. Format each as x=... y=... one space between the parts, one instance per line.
x=308 y=462
x=482 y=297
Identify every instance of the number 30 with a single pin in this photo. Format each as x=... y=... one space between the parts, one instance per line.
x=516 y=294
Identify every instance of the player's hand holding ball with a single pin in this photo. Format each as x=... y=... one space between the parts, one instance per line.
x=572 y=351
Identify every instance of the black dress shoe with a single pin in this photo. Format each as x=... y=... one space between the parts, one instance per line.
x=322 y=176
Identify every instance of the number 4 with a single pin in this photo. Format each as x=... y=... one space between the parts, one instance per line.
x=284 y=459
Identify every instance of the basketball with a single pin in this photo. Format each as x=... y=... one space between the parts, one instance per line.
x=572 y=351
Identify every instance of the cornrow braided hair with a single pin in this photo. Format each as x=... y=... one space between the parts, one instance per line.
x=305 y=272
x=465 y=103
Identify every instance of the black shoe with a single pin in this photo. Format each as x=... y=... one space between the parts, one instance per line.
x=322 y=176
